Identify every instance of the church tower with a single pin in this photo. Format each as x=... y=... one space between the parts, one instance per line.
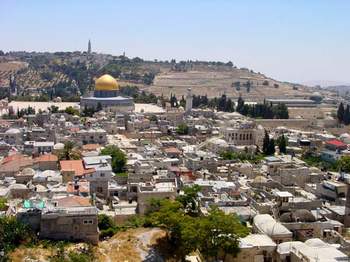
x=189 y=98
x=89 y=47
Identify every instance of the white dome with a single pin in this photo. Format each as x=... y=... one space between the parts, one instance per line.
x=18 y=186
x=316 y=94
x=345 y=138
x=13 y=131
x=28 y=171
x=58 y=146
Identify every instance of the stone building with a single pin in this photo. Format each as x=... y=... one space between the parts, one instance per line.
x=92 y=136
x=242 y=133
x=100 y=176
x=266 y=224
x=77 y=223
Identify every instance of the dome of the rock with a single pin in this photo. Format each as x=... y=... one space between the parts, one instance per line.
x=106 y=83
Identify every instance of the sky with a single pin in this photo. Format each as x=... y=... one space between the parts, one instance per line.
x=304 y=41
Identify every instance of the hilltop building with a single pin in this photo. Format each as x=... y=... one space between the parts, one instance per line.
x=107 y=96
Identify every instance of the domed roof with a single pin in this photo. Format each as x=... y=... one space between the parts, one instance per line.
x=13 y=131
x=316 y=94
x=106 y=83
x=28 y=171
x=300 y=215
x=58 y=146
x=345 y=135
x=260 y=179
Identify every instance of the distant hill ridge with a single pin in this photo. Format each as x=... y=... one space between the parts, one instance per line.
x=58 y=72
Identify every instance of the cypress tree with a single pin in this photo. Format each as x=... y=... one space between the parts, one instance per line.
x=282 y=144
x=340 y=113
x=346 y=119
x=240 y=105
x=266 y=143
x=271 y=147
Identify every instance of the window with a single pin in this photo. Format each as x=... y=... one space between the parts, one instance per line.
x=99 y=189
x=102 y=175
x=88 y=222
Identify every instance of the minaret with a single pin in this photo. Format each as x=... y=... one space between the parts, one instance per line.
x=189 y=99
x=89 y=47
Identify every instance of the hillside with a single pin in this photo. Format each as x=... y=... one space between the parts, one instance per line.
x=215 y=83
x=133 y=245
x=60 y=73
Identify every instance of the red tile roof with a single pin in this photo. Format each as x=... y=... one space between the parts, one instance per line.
x=75 y=165
x=15 y=163
x=73 y=201
x=336 y=142
x=46 y=158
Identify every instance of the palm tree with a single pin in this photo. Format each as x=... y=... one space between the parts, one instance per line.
x=68 y=152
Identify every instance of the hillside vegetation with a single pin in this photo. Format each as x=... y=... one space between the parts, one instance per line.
x=72 y=73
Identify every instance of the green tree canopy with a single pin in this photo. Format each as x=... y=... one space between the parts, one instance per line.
x=215 y=235
x=13 y=233
x=72 y=111
x=341 y=112
x=189 y=199
x=344 y=164
x=118 y=158
x=182 y=129
x=68 y=152
x=282 y=144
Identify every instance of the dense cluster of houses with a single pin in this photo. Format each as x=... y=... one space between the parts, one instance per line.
x=296 y=212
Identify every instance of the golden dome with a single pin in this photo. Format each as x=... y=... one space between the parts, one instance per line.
x=106 y=83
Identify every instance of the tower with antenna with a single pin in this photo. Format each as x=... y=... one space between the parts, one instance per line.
x=89 y=47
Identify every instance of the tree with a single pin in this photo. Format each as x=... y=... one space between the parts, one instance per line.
x=219 y=234
x=3 y=203
x=118 y=158
x=53 y=109
x=240 y=105
x=265 y=83
x=344 y=164
x=153 y=118
x=271 y=147
x=72 y=111
x=282 y=144
x=189 y=199
x=89 y=111
x=68 y=152
x=182 y=129
x=13 y=233
x=341 y=112
x=266 y=143
x=105 y=222
x=237 y=85
x=173 y=101
x=215 y=235
x=183 y=102
x=99 y=107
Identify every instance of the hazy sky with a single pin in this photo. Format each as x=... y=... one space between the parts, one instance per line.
x=292 y=40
